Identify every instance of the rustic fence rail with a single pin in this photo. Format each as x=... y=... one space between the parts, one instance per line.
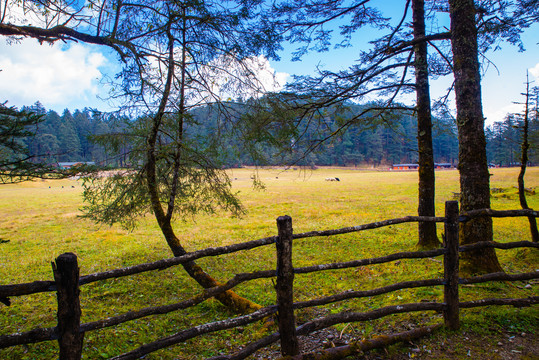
x=70 y=333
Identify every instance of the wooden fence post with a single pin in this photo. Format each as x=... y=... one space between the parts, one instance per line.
x=66 y=275
x=451 y=265
x=284 y=287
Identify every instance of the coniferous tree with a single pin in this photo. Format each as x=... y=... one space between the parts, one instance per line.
x=204 y=51
x=82 y=127
x=68 y=138
x=17 y=163
x=473 y=167
x=426 y=188
x=525 y=146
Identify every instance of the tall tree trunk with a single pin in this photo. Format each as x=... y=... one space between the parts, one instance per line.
x=473 y=166
x=523 y=162
x=427 y=230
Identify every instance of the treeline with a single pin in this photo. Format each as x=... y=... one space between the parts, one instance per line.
x=65 y=138
x=384 y=144
x=504 y=141
x=373 y=142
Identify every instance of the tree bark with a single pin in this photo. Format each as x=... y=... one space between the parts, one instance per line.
x=523 y=162
x=427 y=230
x=473 y=166
x=229 y=298
x=285 y=287
x=451 y=266
x=66 y=275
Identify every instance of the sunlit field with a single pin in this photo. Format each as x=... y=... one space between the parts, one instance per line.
x=41 y=220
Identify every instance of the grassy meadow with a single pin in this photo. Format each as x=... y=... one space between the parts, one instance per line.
x=40 y=220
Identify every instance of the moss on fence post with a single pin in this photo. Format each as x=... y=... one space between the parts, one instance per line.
x=285 y=288
x=451 y=265
x=66 y=275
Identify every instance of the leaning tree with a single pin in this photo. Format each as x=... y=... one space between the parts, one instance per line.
x=199 y=54
x=175 y=55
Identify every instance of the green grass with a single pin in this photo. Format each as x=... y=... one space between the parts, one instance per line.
x=41 y=220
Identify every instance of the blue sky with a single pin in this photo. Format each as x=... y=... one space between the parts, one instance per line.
x=503 y=73
x=70 y=75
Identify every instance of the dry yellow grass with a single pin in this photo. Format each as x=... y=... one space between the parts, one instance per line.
x=40 y=220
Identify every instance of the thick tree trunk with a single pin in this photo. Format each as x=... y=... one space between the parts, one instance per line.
x=473 y=166
x=427 y=230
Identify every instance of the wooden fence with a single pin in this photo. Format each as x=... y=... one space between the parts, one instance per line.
x=70 y=332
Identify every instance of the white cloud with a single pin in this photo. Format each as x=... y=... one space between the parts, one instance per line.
x=266 y=74
x=227 y=78
x=253 y=76
x=54 y=75
x=535 y=72
x=68 y=76
x=499 y=113
x=502 y=102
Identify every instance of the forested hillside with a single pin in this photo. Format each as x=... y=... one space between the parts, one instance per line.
x=64 y=137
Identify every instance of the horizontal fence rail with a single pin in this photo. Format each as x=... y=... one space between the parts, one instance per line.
x=470 y=214
x=370 y=226
x=70 y=332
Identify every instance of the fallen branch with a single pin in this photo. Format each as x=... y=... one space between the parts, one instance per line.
x=355 y=347
x=527 y=190
x=322 y=323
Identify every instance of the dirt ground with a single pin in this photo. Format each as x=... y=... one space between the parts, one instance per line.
x=500 y=345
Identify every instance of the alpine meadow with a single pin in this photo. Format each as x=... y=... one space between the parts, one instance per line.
x=41 y=220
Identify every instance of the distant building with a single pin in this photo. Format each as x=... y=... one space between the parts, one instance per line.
x=69 y=165
x=416 y=166
x=405 y=166
x=443 y=166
